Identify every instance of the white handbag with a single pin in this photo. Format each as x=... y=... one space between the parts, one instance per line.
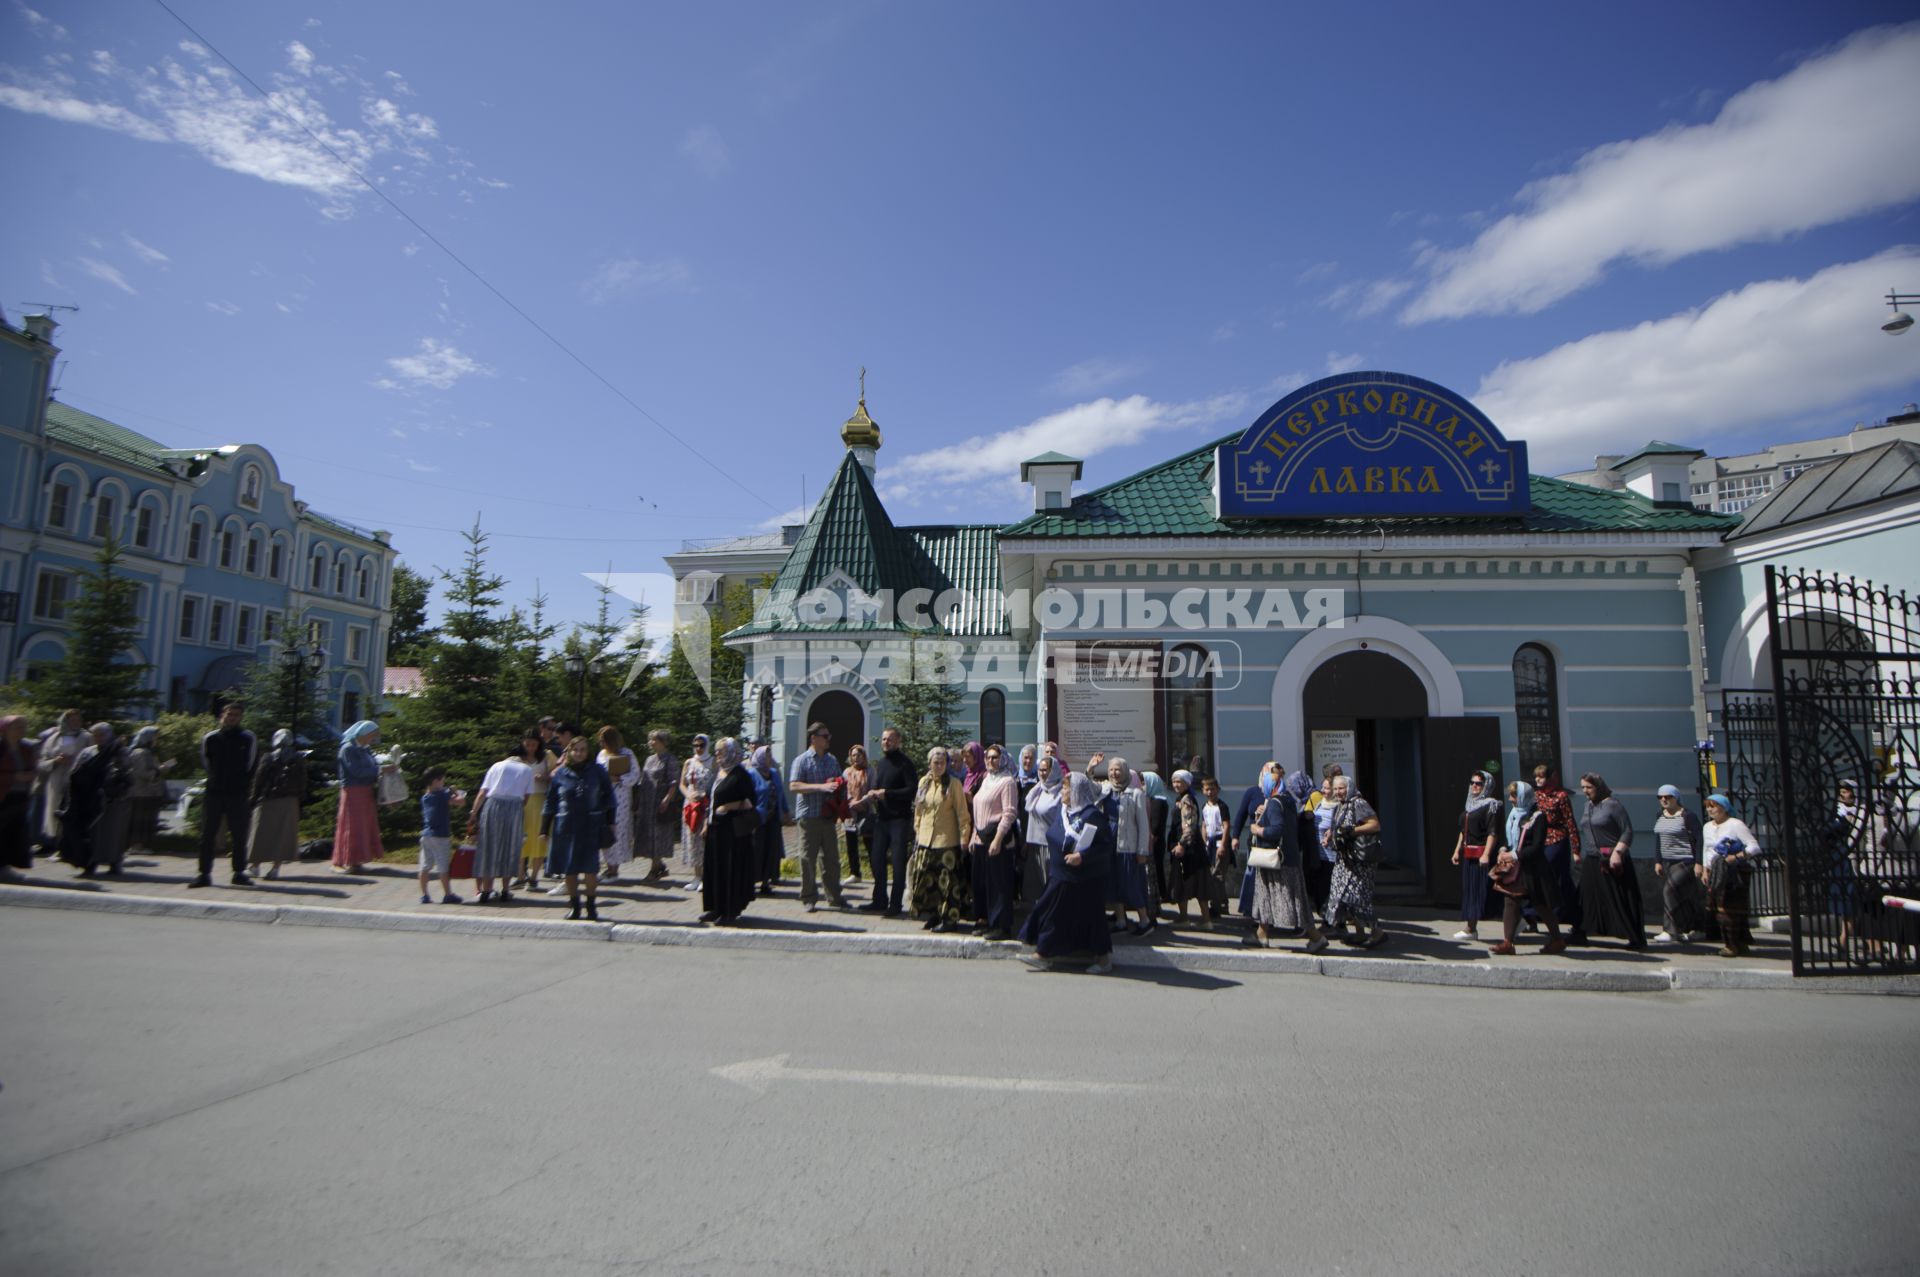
x=1263 y=858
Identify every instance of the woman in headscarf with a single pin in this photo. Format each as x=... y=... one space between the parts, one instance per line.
x=1189 y=873
x=93 y=829
x=149 y=793
x=775 y=810
x=857 y=829
x=1128 y=885
x=1242 y=840
x=1354 y=834
x=17 y=767
x=279 y=783
x=942 y=828
x=656 y=804
x=1280 y=899
x=1473 y=851
x=58 y=747
x=996 y=833
x=1159 y=823
x=975 y=759
x=1677 y=838
x=733 y=862
x=1521 y=873
x=579 y=806
x=618 y=762
x=356 y=826
x=1069 y=919
x=696 y=782
x=1730 y=848
x=1042 y=803
x=1026 y=774
x=1609 y=890
x=498 y=824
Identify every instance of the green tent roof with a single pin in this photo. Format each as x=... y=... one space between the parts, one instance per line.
x=1175 y=498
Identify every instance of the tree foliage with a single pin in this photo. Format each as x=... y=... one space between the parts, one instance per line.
x=923 y=703
x=408 y=639
x=97 y=676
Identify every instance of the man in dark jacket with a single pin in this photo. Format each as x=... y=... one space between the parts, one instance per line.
x=228 y=754
x=894 y=780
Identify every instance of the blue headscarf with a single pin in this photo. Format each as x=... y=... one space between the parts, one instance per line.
x=1300 y=785
x=1522 y=808
x=1726 y=804
x=353 y=734
x=1268 y=781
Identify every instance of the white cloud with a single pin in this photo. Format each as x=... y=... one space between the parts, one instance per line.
x=436 y=364
x=785 y=518
x=624 y=276
x=1773 y=350
x=1084 y=430
x=1093 y=375
x=704 y=146
x=1338 y=363
x=1367 y=297
x=193 y=100
x=146 y=252
x=223 y=308
x=1223 y=332
x=107 y=274
x=1830 y=140
x=39 y=23
x=419 y=468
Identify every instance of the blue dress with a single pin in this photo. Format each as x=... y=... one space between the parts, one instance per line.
x=1070 y=918
x=579 y=805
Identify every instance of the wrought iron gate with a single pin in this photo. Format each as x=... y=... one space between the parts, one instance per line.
x=1835 y=792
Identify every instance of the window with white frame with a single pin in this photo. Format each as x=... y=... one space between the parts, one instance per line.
x=250 y=481
x=60 y=502
x=106 y=506
x=356 y=644
x=217 y=613
x=146 y=524
x=229 y=546
x=340 y=578
x=192 y=610
x=276 y=560
x=365 y=586
x=197 y=539
x=52 y=593
x=253 y=554
x=1788 y=473
x=320 y=634
x=1738 y=493
x=270 y=626
x=317 y=570
x=142 y=599
x=245 y=623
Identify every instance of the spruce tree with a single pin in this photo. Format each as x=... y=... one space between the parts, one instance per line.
x=93 y=677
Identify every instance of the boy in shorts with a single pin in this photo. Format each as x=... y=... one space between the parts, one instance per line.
x=436 y=835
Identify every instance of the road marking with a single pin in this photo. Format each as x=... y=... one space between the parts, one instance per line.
x=758 y=1075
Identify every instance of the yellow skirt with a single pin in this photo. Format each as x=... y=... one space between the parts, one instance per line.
x=532 y=845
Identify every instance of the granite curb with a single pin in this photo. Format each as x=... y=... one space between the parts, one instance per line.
x=1469 y=975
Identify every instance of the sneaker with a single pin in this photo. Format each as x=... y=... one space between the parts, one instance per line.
x=448 y=899
x=1465 y=935
x=813 y=906
x=1102 y=967
x=694 y=887
x=425 y=899
x=201 y=880
x=1692 y=936
x=1662 y=938
x=1037 y=962
x=1319 y=943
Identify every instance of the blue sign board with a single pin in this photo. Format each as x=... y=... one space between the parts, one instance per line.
x=1379 y=443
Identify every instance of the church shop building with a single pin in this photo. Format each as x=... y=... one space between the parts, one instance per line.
x=1367 y=574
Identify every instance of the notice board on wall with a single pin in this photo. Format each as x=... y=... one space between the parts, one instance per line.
x=1104 y=697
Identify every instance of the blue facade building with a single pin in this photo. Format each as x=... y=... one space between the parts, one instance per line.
x=224 y=556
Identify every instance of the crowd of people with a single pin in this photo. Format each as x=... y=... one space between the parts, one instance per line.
x=964 y=839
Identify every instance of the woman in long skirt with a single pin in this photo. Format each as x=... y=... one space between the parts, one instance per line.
x=498 y=825
x=279 y=783
x=149 y=792
x=533 y=847
x=942 y=828
x=1190 y=866
x=696 y=783
x=579 y=805
x=93 y=830
x=1609 y=890
x=770 y=802
x=356 y=825
x=1473 y=851
x=1354 y=834
x=1729 y=848
x=619 y=764
x=1532 y=881
x=17 y=767
x=1130 y=875
x=656 y=805
x=1280 y=899
x=733 y=862
x=1069 y=919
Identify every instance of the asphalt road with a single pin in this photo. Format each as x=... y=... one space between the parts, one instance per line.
x=204 y=1097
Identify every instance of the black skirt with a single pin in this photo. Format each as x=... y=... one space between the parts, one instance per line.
x=1610 y=902
x=1070 y=918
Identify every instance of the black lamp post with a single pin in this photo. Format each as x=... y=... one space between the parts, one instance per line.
x=301 y=661
x=580 y=668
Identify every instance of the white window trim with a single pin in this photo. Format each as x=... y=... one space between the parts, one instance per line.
x=252 y=613
x=111 y=490
x=197 y=634
x=269 y=625
x=277 y=541
x=75 y=479
x=148 y=502
x=204 y=518
x=361 y=634
x=43 y=572
x=225 y=638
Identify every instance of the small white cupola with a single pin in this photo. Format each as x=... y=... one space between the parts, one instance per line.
x=1052 y=475
x=1659 y=472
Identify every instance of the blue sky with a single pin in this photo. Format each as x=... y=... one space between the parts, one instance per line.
x=1117 y=230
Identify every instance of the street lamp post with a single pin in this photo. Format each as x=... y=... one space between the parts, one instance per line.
x=580 y=668
x=301 y=661
x=1900 y=320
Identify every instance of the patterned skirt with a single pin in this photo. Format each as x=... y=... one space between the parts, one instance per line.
x=1280 y=900
x=497 y=849
x=942 y=884
x=1350 y=898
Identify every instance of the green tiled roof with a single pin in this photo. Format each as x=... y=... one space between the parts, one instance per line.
x=849 y=535
x=1175 y=498
x=79 y=429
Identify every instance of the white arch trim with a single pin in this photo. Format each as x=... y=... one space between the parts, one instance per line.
x=1429 y=664
x=835 y=678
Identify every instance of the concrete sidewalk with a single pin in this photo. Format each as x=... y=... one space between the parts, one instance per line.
x=386 y=897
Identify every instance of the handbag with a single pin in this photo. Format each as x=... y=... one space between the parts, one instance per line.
x=1505 y=875
x=1263 y=858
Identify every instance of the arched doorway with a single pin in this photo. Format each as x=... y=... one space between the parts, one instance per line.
x=1365 y=710
x=844 y=716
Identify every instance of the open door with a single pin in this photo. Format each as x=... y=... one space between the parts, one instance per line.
x=1451 y=749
